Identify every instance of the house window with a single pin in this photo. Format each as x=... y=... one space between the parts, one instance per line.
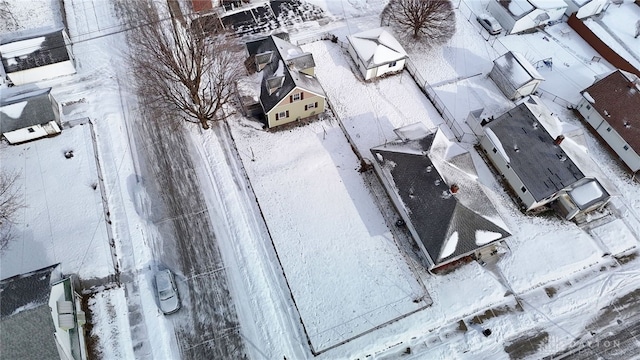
x=523 y=189
x=282 y=115
x=494 y=151
x=392 y=64
x=31 y=130
x=311 y=106
x=609 y=129
x=296 y=97
x=626 y=147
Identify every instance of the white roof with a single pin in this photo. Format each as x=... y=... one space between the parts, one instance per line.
x=548 y=4
x=376 y=47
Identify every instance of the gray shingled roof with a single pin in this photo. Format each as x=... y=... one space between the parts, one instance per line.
x=543 y=167
x=20 y=52
x=288 y=61
x=435 y=214
x=22 y=107
x=26 y=326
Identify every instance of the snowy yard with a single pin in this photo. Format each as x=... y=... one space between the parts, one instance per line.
x=346 y=274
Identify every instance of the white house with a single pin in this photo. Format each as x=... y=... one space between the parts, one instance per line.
x=535 y=166
x=515 y=76
x=585 y=8
x=611 y=106
x=28 y=114
x=520 y=15
x=36 y=54
x=376 y=52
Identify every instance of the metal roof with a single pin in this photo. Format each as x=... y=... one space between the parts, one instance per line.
x=23 y=107
x=32 y=48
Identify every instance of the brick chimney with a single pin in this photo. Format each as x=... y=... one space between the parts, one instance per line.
x=558 y=140
x=454 y=188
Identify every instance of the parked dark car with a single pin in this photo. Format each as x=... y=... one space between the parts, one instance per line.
x=490 y=24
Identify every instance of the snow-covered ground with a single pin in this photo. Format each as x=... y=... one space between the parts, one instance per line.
x=335 y=248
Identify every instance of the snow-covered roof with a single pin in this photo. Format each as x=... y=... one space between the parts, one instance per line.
x=548 y=4
x=33 y=48
x=23 y=107
x=520 y=8
x=516 y=68
x=376 y=47
x=284 y=69
x=588 y=193
x=539 y=163
x=419 y=173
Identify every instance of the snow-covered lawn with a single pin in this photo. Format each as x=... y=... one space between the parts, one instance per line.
x=63 y=219
x=344 y=269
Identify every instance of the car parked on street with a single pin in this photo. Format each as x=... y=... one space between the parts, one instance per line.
x=167 y=292
x=489 y=23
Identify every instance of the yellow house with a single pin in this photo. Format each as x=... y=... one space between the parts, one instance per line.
x=289 y=90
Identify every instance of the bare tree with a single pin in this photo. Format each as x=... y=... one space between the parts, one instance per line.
x=180 y=69
x=430 y=21
x=10 y=203
x=9 y=21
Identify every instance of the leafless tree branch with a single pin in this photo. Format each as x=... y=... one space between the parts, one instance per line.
x=430 y=21
x=10 y=203
x=179 y=68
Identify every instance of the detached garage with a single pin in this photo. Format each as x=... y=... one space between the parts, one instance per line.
x=376 y=52
x=515 y=76
x=28 y=114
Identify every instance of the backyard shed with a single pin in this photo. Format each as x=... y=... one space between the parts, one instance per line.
x=28 y=114
x=376 y=52
x=36 y=54
x=515 y=76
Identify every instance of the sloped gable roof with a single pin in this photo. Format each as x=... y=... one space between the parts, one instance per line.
x=522 y=139
x=616 y=97
x=517 y=69
x=287 y=63
x=26 y=326
x=32 y=48
x=376 y=47
x=24 y=107
x=448 y=226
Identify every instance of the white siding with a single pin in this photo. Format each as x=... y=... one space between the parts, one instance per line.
x=42 y=73
x=609 y=135
x=510 y=176
x=32 y=132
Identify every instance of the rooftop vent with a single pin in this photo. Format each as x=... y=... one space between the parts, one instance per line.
x=454 y=188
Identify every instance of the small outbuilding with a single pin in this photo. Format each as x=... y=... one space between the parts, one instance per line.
x=536 y=167
x=376 y=52
x=521 y=15
x=36 y=54
x=28 y=114
x=432 y=183
x=515 y=76
x=611 y=107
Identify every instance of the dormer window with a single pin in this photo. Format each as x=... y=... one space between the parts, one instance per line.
x=263 y=59
x=274 y=84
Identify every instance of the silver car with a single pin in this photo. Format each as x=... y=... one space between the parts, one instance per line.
x=167 y=292
x=489 y=23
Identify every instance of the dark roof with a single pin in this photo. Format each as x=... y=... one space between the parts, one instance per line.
x=542 y=166
x=20 y=50
x=36 y=108
x=26 y=325
x=288 y=61
x=617 y=100
x=436 y=215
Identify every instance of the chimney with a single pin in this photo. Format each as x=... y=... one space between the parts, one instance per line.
x=558 y=140
x=454 y=188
